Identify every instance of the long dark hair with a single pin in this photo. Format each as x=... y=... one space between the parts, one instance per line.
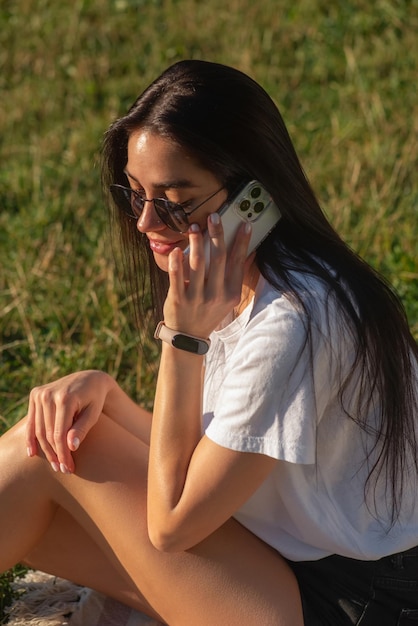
x=233 y=128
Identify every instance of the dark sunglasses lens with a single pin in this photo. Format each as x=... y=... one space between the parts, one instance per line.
x=172 y=214
x=127 y=201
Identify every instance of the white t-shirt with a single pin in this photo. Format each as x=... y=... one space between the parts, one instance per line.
x=262 y=396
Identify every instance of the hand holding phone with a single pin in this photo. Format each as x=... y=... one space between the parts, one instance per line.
x=252 y=204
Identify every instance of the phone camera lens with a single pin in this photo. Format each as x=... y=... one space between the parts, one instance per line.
x=255 y=193
x=258 y=207
x=245 y=205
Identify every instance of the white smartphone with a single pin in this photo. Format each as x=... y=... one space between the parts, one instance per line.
x=252 y=204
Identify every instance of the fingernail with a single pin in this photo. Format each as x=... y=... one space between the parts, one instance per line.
x=194 y=228
x=76 y=443
x=248 y=228
x=29 y=451
x=64 y=469
x=55 y=466
x=214 y=218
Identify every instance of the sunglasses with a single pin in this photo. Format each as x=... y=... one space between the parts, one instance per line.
x=172 y=214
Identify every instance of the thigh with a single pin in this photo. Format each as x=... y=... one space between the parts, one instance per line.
x=231 y=577
x=67 y=550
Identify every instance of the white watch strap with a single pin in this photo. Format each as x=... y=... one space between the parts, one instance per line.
x=182 y=341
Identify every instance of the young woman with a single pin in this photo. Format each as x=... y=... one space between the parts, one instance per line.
x=275 y=482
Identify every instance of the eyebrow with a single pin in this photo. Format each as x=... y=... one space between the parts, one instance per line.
x=180 y=183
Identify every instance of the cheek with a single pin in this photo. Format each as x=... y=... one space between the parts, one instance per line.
x=201 y=216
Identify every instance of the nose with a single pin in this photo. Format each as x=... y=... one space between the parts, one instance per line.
x=148 y=220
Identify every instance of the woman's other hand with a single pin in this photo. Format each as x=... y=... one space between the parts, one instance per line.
x=61 y=413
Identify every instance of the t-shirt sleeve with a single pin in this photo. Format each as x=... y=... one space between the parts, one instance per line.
x=267 y=400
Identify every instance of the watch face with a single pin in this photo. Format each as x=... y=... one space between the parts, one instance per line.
x=182 y=342
x=186 y=343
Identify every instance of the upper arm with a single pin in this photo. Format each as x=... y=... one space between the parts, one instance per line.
x=218 y=482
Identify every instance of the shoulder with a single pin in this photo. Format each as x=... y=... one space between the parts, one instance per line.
x=310 y=302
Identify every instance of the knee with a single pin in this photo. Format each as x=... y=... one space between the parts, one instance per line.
x=13 y=447
x=15 y=435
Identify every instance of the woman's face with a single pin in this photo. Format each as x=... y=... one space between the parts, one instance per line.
x=159 y=168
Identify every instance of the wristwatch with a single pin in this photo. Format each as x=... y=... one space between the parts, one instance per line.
x=182 y=341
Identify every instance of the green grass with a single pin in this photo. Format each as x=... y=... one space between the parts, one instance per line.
x=343 y=74
x=7 y=593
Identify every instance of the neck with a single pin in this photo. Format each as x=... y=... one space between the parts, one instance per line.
x=249 y=284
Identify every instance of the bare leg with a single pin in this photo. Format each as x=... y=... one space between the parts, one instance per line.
x=67 y=551
x=231 y=577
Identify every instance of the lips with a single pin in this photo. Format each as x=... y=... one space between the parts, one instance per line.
x=164 y=247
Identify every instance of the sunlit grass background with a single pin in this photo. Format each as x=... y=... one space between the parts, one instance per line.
x=343 y=72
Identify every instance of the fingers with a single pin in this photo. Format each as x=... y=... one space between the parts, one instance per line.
x=74 y=439
x=207 y=251
x=228 y=260
x=198 y=304
x=63 y=419
x=238 y=257
x=54 y=413
x=84 y=422
x=31 y=445
x=217 y=252
x=50 y=416
x=44 y=433
x=61 y=413
x=177 y=277
x=37 y=429
x=197 y=261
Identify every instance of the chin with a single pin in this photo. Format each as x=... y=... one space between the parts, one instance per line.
x=161 y=261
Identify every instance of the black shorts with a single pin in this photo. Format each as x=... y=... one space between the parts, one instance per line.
x=337 y=591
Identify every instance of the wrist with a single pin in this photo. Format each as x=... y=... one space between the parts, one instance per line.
x=111 y=389
x=182 y=341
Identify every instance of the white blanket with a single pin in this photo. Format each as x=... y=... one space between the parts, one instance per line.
x=46 y=600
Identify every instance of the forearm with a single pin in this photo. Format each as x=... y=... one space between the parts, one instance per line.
x=124 y=411
x=176 y=431
x=195 y=306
